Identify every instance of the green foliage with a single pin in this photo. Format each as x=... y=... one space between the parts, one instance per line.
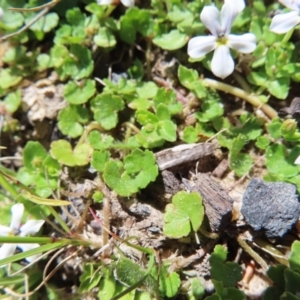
x=90 y=277
x=40 y=169
x=285 y=279
x=137 y=171
x=62 y=151
x=79 y=93
x=71 y=119
x=105 y=108
x=183 y=215
x=224 y=275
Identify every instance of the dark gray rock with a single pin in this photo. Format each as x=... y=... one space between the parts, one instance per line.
x=270 y=206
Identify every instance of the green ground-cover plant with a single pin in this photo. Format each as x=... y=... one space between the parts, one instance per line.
x=120 y=107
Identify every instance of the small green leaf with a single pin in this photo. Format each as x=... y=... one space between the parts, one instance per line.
x=63 y=152
x=107 y=288
x=129 y=273
x=278 y=163
x=172 y=40
x=184 y=214
x=138 y=171
x=168 y=98
x=105 y=108
x=70 y=119
x=8 y=78
x=240 y=163
x=99 y=159
x=229 y=273
x=294 y=258
x=167 y=130
x=100 y=141
x=292 y=280
x=210 y=110
x=12 y=101
x=105 y=38
x=90 y=277
x=146 y=90
x=168 y=282
x=262 y=142
x=34 y=155
x=77 y=94
x=190 y=135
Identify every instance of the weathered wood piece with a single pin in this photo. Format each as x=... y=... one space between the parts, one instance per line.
x=271 y=206
x=217 y=203
x=181 y=154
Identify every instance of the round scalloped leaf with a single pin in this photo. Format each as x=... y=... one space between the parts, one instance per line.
x=34 y=154
x=70 y=119
x=77 y=94
x=138 y=171
x=105 y=107
x=229 y=273
x=185 y=213
x=171 y=41
x=169 y=282
x=63 y=152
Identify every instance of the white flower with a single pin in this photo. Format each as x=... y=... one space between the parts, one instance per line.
x=219 y=25
x=128 y=3
x=297 y=161
x=285 y=22
x=30 y=227
x=1 y=13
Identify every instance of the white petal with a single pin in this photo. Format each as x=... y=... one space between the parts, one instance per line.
x=26 y=247
x=7 y=250
x=245 y=43
x=210 y=17
x=5 y=231
x=31 y=227
x=297 y=161
x=1 y=13
x=201 y=45
x=128 y=3
x=104 y=2
x=229 y=12
x=238 y=4
x=284 y=22
x=222 y=63
x=292 y=4
x=17 y=211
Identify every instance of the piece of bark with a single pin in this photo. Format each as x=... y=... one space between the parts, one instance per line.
x=217 y=203
x=182 y=154
x=270 y=206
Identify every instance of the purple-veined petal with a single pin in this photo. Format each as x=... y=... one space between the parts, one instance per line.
x=284 y=22
x=292 y=4
x=17 y=211
x=104 y=2
x=222 y=63
x=245 y=43
x=201 y=45
x=128 y=3
x=26 y=247
x=31 y=227
x=210 y=17
x=7 y=250
x=229 y=12
x=5 y=231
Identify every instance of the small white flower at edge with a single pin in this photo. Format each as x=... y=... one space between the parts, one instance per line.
x=128 y=3
x=15 y=228
x=219 y=25
x=283 y=23
x=297 y=161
